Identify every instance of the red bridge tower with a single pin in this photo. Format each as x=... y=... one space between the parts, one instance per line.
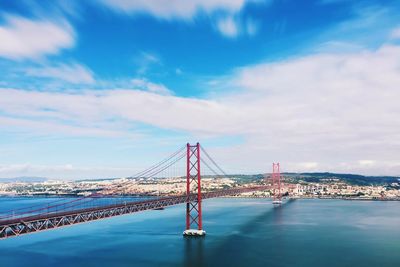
x=193 y=192
x=276 y=184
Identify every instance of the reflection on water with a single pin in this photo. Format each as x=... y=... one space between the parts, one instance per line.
x=251 y=240
x=194 y=251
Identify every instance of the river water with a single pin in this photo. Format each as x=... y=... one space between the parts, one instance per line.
x=240 y=232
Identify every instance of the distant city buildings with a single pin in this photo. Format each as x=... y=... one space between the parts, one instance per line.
x=326 y=188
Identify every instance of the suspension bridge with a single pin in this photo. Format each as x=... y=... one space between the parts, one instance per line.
x=196 y=163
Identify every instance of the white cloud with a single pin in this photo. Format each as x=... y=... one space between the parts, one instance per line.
x=228 y=26
x=301 y=167
x=182 y=9
x=252 y=27
x=336 y=108
x=178 y=71
x=68 y=171
x=23 y=38
x=231 y=26
x=145 y=61
x=395 y=34
x=308 y=165
x=366 y=162
x=338 y=47
x=156 y=88
x=72 y=73
x=51 y=127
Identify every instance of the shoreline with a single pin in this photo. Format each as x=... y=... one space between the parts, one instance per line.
x=152 y=196
x=338 y=198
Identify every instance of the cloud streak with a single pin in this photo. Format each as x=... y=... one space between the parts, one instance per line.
x=325 y=109
x=23 y=38
x=68 y=171
x=225 y=13
x=151 y=87
x=72 y=73
x=176 y=9
x=395 y=34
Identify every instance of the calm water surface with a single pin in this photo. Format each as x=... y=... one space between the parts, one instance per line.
x=240 y=232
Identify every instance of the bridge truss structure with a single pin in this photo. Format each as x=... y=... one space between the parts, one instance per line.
x=64 y=213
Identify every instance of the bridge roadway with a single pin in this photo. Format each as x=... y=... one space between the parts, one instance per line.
x=46 y=221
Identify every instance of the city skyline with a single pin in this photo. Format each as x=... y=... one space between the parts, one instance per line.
x=102 y=88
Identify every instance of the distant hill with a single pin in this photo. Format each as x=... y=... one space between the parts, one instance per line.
x=320 y=177
x=355 y=179
x=316 y=177
x=23 y=179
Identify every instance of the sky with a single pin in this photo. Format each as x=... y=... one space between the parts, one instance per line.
x=105 y=88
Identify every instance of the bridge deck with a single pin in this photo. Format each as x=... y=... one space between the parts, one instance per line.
x=45 y=221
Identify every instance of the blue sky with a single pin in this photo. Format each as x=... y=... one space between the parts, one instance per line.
x=104 y=88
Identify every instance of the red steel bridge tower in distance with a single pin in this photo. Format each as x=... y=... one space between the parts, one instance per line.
x=276 y=184
x=193 y=192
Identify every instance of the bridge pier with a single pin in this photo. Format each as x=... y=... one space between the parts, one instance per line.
x=193 y=199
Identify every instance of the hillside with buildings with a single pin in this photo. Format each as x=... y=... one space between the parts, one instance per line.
x=298 y=185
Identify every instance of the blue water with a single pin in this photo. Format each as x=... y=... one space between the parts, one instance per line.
x=240 y=232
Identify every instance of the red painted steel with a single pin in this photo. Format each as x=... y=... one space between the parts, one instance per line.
x=42 y=222
x=200 y=215
x=193 y=182
x=35 y=220
x=187 y=185
x=276 y=182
